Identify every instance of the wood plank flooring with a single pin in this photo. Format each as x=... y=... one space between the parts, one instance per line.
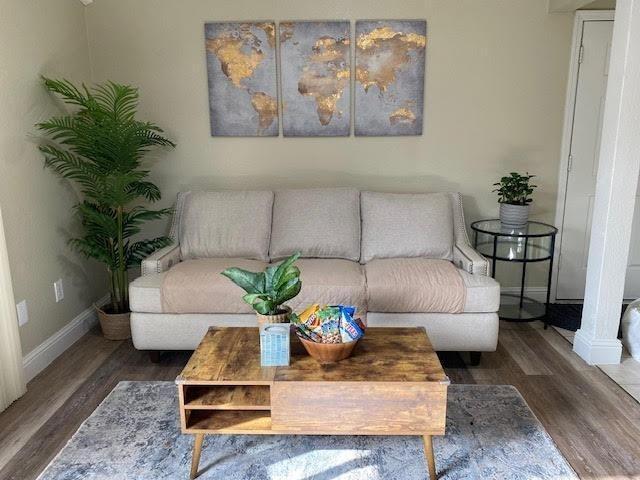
x=594 y=422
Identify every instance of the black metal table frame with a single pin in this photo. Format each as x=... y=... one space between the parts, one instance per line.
x=524 y=260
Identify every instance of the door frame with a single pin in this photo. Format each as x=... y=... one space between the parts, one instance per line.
x=581 y=17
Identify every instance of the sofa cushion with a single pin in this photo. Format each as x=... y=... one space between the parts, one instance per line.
x=420 y=285
x=330 y=281
x=320 y=223
x=196 y=286
x=226 y=224
x=397 y=225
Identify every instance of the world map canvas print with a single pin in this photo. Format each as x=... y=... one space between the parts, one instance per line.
x=315 y=61
x=389 y=77
x=241 y=67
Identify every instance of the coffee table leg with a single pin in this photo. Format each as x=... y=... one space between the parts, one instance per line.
x=197 y=449
x=431 y=461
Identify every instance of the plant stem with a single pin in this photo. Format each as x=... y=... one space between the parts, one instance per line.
x=121 y=265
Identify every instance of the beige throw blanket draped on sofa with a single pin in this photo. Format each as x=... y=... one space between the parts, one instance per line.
x=414 y=285
x=395 y=285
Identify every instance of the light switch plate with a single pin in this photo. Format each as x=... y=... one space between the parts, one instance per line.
x=23 y=312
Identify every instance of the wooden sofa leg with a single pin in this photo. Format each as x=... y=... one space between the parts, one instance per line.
x=154 y=356
x=475 y=358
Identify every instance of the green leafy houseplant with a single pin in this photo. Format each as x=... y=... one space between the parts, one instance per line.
x=268 y=291
x=515 y=189
x=100 y=147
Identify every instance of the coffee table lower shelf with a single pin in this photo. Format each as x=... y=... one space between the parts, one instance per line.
x=232 y=409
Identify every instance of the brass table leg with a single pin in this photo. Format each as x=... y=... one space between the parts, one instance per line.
x=428 y=452
x=197 y=449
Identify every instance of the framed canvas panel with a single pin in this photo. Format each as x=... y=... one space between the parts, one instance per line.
x=389 y=77
x=315 y=71
x=241 y=67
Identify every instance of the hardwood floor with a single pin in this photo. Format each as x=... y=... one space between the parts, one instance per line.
x=594 y=422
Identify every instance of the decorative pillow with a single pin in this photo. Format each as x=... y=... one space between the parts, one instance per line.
x=320 y=223
x=399 y=225
x=226 y=224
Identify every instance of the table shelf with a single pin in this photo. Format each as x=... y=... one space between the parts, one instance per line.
x=227 y=397
x=228 y=421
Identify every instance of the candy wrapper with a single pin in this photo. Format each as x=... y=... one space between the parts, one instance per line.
x=329 y=324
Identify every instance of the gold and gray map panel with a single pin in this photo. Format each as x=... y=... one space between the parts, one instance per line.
x=389 y=77
x=315 y=70
x=241 y=67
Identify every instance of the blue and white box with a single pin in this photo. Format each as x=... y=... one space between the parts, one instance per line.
x=274 y=344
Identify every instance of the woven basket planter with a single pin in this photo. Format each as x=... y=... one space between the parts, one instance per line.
x=115 y=326
x=279 y=318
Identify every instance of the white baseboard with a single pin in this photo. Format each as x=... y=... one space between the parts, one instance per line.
x=597 y=351
x=40 y=357
x=536 y=293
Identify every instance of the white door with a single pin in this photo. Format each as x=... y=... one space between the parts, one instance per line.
x=583 y=168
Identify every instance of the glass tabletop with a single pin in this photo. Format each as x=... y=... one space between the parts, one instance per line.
x=515 y=249
x=531 y=229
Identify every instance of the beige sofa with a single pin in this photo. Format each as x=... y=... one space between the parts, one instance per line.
x=402 y=259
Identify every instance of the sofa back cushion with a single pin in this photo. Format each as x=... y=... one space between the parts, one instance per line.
x=320 y=223
x=397 y=225
x=226 y=224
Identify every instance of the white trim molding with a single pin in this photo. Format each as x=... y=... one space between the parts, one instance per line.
x=616 y=186
x=570 y=104
x=596 y=351
x=41 y=357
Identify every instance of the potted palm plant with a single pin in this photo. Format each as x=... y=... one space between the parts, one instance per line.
x=100 y=147
x=268 y=291
x=514 y=195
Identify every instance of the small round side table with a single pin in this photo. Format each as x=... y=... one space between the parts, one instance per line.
x=533 y=242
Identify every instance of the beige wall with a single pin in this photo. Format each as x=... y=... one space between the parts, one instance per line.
x=39 y=37
x=495 y=87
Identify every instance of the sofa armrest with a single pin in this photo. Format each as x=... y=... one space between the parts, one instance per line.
x=161 y=260
x=468 y=259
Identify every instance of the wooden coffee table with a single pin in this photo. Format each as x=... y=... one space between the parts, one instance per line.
x=392 y=385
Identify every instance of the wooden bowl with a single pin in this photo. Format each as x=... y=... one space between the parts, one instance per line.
x=328 y=352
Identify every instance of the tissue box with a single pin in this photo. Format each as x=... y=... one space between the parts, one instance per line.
x=274 y=344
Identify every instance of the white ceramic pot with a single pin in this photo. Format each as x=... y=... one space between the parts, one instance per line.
x=514 y=215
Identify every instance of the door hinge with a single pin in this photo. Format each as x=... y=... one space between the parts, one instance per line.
x=569 y=163
x=581 y=54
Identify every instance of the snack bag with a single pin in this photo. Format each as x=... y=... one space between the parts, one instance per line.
x=350 y=331
x=308 y=316
x=308 y=334
x=330 y=328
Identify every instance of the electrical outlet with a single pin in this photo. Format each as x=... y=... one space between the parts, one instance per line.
x=23 y=312
x=58 y=290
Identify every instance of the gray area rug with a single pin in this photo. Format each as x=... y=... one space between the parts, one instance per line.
x=135 y=434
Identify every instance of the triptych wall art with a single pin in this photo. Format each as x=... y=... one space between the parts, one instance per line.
x=315 y=78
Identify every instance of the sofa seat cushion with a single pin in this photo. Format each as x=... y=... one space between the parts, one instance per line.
x=317 y=222
x=196 y=286
x=330 y=281
x=420 y=285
